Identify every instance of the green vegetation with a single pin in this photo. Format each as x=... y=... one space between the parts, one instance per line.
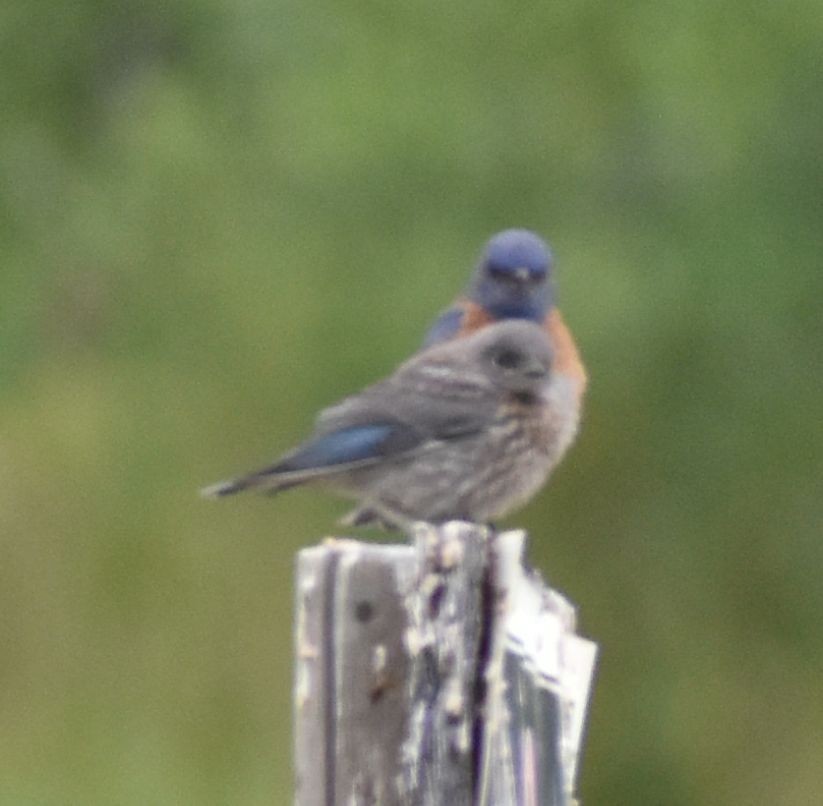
x=216 y=217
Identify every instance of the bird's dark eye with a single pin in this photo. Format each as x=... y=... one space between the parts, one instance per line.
x=507 y=359
x=499 y=273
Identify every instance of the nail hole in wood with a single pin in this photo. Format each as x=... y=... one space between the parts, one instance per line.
x=364 y=611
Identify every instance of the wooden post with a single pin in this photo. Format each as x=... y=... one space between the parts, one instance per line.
x=436 y=673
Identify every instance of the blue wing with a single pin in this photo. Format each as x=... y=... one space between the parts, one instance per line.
x=338 y=450
x=445 y=327
x=354 y=444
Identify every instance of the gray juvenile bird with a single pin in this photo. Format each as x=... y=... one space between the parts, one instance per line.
x=467 y=430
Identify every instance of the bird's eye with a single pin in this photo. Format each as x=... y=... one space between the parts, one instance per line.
x=499 y=273
x=507 y=359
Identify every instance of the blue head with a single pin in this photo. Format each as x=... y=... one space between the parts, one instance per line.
x=513 y=280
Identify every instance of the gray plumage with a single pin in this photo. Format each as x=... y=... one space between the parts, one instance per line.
x=468 y=429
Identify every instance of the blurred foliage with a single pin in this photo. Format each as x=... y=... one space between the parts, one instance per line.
x=217 y=216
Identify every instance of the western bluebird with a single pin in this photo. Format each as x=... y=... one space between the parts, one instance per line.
x=513 y=280
x=468 y=429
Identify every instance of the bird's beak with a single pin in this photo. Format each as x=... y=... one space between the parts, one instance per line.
x=521 y=274
x=535 y=370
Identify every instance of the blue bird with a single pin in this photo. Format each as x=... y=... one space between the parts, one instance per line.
x=513 y=280
x=466 y=430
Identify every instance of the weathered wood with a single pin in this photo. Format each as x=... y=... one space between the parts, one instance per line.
x=446 y=642
x=439 y=673
x=538 y=682
x=351 y=702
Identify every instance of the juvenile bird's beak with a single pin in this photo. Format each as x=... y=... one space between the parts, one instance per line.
x=535 y=370
x=521 y=274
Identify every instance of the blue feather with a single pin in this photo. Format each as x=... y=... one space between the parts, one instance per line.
x=446 y=326
x=353 y=444
x=331 y=451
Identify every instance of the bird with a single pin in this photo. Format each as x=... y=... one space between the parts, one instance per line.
x=468 y=429
x=513 y=280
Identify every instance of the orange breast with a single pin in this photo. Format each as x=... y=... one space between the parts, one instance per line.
x=474 y=317
x=566 y=357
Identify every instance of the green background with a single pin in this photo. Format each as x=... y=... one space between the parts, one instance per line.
x=217 y=217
